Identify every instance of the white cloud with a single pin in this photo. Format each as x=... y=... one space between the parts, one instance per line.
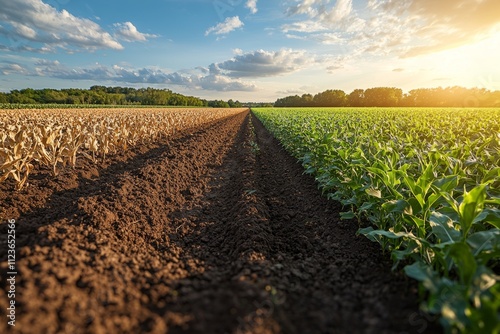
x=24 y=31
x=329 y=38
x=129 y=33
x=13 y=68
x=223 y=84
x=229 y=75
x=338 y=13
x=451 y=24
x=293 y=36
x=263 y=63
x=308 y=7
x=229 y=24
x=304 y=26
x=419 y=27
x=35 y=22
x=401 y=28
x=197 y=79
x=238 y=51
x=333 y=63
x=252 y=5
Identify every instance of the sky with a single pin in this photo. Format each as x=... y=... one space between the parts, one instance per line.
x=249 y=50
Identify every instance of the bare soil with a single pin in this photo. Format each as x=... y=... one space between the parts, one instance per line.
x=215 y=230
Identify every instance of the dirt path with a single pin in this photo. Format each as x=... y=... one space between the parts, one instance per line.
x=214 y=231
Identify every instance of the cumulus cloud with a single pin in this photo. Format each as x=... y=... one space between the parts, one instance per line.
x=322 y=10
x=252 y=5
x=403 y=28
x=223 y=28
x=27 y=48
x=308 y=26
x=418 y=27
x=263 y=63
x=223 y=84
x=198 y=78
x=38 y=22
x=338 y=13
x=238 y=51
x=326 y=22
x=12 y=68
x=229 y=75
x=129 y=33
x=450 y=24
x=308 y=7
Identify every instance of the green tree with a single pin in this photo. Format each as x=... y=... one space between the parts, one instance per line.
x=356 y=98
x=4 y=98
x=331 y=98
x=218 y=104
x=383 y=97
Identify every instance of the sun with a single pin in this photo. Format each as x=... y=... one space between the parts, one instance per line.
x=473 y=65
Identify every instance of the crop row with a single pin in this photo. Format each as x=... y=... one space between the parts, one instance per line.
x=4 y=106
x=427 y=182
x=56 y=138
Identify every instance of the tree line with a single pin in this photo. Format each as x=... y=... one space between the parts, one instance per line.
x=110 y=96
x=394 y=97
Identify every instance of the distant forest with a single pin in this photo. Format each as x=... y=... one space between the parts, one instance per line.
x=110 y=96
x=394 y=97
x=372 y=97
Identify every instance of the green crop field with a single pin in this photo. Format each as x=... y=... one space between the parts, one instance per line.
x=424 y=183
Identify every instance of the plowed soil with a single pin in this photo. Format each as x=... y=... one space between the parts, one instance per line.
x=215 y=230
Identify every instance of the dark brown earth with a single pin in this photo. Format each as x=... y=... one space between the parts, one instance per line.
x=214 y=231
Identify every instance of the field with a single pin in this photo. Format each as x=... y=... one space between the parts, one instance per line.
x=425 y=184
x=200 y=221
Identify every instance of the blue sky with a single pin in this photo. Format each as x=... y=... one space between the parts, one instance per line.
x=251 y=50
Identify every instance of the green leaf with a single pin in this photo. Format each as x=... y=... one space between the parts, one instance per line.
x=465 y=263
x=484 y=241
x=397 y=255
x=419 y=223
x=351 y=201
x=416 y=208
x=347 y=215
x=442 y=228
x=377 y=171
x=480 y=217
x=492 y=217
x=432 y=199
x=492 y=174
x=410 y=183
x=471 y=206
x=450 y=212
x=494 y=200
x=395 y=235
x=425 y=180
x=451 y=201
x=447 y=184
x=366 y=206
x=396 y=206
x=366 y=232
x=423 y=273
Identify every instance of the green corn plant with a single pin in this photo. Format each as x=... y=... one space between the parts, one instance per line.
x=427 y=181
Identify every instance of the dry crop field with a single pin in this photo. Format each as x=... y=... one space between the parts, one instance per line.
x=182 y=221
